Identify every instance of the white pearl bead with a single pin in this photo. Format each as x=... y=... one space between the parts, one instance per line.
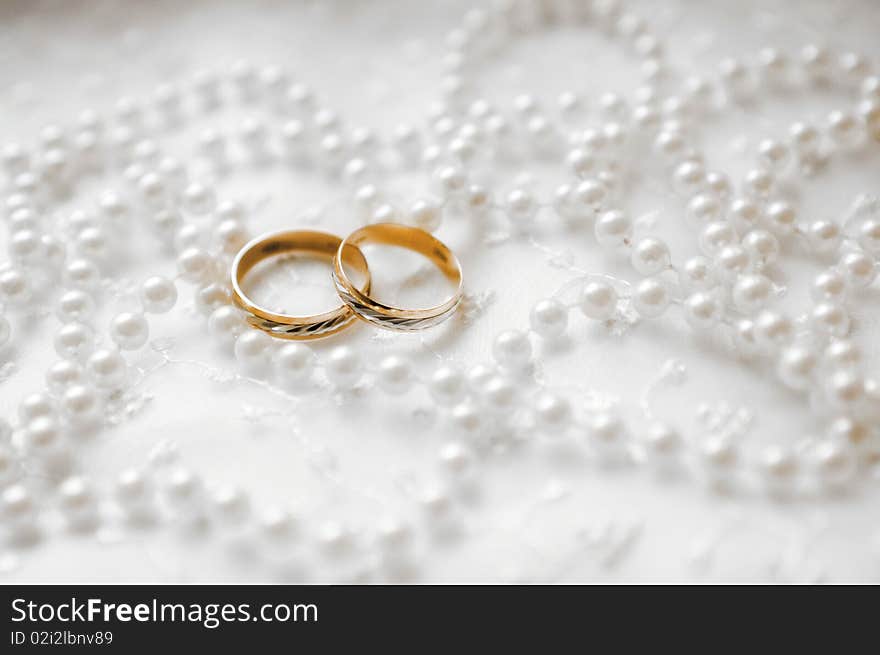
x=226 y=323
x=14 y=287
x=773 y=154
x=829 y=286
x=195 y=265
x=698 y=273
x=781 y=217
x=744 y=338
x=598 y=300
x=521 y=208
x=758 y=182
x=82 y=274
x=452 y=181
x=869 y=235
x=129 y=330
x=703 y=208
x=158 y=295
x=74 y=340
x=198 y=199
x=63 y=374
x=761 y=246
x=830 y=318
x=859 y=268
x=804 y=138
x=512 y=349
x=689 y=178
x=107 y=368
x=662 y=445
x=834 y=463
x=824 y=236
x=702 y=310
x=651 y=297
x=650 y=256
x=552 y=412
x=745 y=213
x=76 y=306
x=426 y=214
x=252 y=350
x=394 y=375
x=36 y=405
x=343 y=367
x=778 y=466
x=210 y=297
x=613 y=229
x=732 y=261
x=293 y=363
x=716 y=236
x=447 y=386
x=751 y=292
x=772 y=330
x=80 y=403
x=845 y=388
x=796 y=364
x=231 y=236
x=549 y=318
x=43 y=435
x=842 y=353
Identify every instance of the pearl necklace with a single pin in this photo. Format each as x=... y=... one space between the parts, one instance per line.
x=495 y=406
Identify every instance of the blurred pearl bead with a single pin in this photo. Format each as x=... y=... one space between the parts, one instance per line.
x=834 y=463
x=549 y=318
x=859 y=268
x=719 y=457
x=829 y=286
x=82 y=274
x=395 y=375
x=845 y=388
x=107 y=368
x=452 y=181
x=716 y=236
x=650 y=256
x=129 y=330
x=226 y=323
x=830 y=318
x=845 y=129
x=231 y=235
x=613 y=229
x=133 y=489
x=702 y=310
x=758 y=182
x=772 y=330
x=606 y=431
x=761 y=246
x=74 y=340
x=773 y=154
x=796 y=364
x=804 y=138
x=43 y=435
x=869 y=235
x=447 y=386
x=80 y=404
x=14 y=287
x=732 y=261
x=198 y=199
x=662 y=446
x=343 y=367
x=195 y=265
x=751 y=292
x=293 y=363
x=521 y=208
x=158 y=295
x=426 y=214
x=252 y=350
x=210 y=297
x=598 y=300
x=842 y=354
x=703 y=208
x=552 y=412
x=745 y=213
x=512 y=349
x=781 y=217
x=36 y=405
x=651 y=297
x=698 y=273
x=63 y=374
x=76 y=306
x=744 y=337
x=689 y=178
x=824 y=236
x=778 y=466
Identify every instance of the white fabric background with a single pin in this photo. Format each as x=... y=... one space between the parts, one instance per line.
x=539 y=516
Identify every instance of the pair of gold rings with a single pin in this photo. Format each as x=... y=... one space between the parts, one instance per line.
x=356 y=300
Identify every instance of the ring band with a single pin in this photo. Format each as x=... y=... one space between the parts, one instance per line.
x=319 y=244
x=385 y=316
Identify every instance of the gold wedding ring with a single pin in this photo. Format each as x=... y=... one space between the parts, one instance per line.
x=316 y=244
x=385 y=316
